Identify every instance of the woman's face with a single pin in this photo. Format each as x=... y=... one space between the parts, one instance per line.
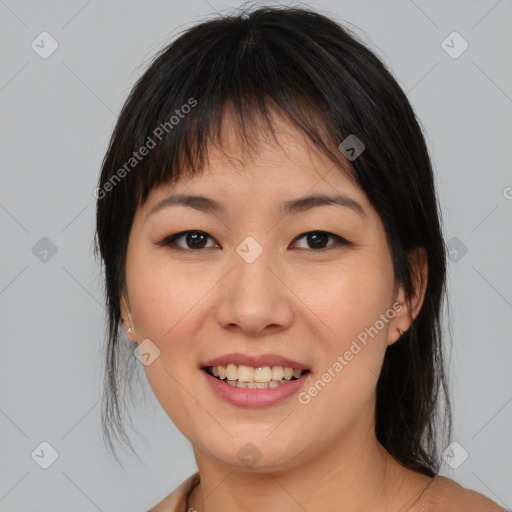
x=248 y=285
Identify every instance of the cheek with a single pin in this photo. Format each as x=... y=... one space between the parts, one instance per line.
x=162 y=294
x=163 y=305
x=348 y=299
x=163 y=302
x=349 y=304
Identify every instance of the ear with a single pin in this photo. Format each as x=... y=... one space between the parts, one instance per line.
x=126 y=317
x=409 y=307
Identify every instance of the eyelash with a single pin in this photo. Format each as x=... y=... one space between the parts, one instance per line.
x=169 y=241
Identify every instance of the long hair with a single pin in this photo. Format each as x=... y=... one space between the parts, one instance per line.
x=322 y=79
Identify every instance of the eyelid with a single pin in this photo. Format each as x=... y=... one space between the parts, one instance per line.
x=338 y=240
x=170 y=241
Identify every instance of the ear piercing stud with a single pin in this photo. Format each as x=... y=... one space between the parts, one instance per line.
x=400 y=331
x=129 y=330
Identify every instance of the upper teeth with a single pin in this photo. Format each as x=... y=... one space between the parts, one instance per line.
x=259 y=374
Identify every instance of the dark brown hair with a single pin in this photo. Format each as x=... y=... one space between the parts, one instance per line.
x=322 y=79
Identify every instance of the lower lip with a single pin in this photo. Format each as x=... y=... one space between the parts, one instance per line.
x=255 y=397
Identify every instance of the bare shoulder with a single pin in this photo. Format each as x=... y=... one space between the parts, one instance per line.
x=168 y=504
x=177 y=500
x=446 y=494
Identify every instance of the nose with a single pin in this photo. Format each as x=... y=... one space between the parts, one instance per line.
x=254 y=297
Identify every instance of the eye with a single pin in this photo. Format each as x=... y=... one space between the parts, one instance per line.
x=194 y=240
x=318 y=240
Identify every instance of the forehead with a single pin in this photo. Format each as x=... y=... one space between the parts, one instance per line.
x=277 y=146
x=268 y=165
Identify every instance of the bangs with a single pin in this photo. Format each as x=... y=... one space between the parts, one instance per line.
x=247 y=75
x=184 y=151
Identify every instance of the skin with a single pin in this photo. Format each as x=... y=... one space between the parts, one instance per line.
x=194 y=306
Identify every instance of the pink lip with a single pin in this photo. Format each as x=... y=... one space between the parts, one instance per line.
x=254 y=397
x=255 y=361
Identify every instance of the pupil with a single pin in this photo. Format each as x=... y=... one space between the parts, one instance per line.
x=193 y=237
x=313 y=239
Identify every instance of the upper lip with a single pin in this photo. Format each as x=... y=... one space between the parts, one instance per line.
x=255 y=361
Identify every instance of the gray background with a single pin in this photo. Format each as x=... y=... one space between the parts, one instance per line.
x=56 y=118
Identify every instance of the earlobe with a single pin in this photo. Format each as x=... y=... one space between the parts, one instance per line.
x=126 y=318
x=400 y=323
x=410 y=306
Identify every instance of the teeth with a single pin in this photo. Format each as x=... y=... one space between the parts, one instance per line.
x=277 y=373
x=260 y=385
x=246 y=373
x=262 y=377
x=263 y=374
x=231 y=372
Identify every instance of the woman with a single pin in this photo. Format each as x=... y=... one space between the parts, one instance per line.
x=271 y=238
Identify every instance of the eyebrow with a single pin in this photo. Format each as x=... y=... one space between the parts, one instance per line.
x=206 y=204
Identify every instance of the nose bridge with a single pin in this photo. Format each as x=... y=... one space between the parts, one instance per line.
x=254 y=297
x=252 y=276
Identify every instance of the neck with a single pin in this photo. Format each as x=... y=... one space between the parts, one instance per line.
x=353 y=473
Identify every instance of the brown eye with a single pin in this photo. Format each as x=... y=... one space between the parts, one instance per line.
x=318 y=240
x=193 y=240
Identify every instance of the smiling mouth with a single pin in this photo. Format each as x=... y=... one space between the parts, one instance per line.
x=256 y=378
